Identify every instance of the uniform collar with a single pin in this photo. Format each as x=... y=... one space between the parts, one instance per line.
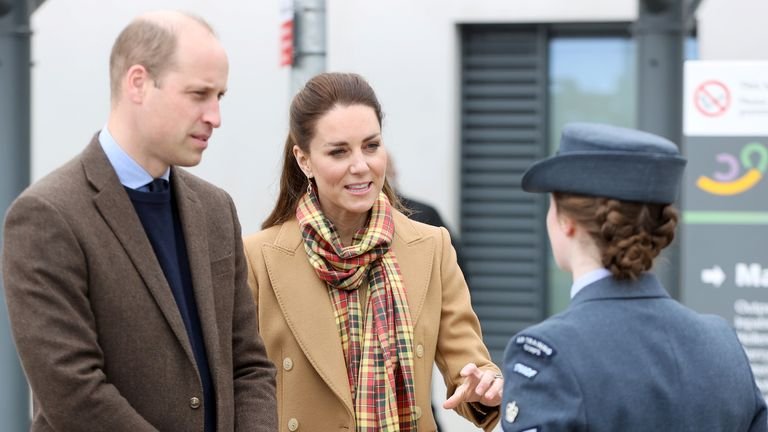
x=587 y=279
x=646 y=286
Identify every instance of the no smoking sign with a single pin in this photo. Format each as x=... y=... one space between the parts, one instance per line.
x=712 y=98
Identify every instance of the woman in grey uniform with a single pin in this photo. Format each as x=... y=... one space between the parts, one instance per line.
x=623 y=356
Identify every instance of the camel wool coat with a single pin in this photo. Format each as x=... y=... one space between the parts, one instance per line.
x=302 y=339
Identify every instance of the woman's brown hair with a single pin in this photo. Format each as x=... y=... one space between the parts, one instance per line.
x=629 y=235
x=321 y=94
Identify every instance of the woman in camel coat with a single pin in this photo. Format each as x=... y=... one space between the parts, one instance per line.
x=356 y=302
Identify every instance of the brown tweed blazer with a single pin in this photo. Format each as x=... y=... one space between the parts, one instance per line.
x=97 y=329
x=297 y=323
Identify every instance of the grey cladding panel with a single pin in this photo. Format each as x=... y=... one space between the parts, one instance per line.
x=504 y=123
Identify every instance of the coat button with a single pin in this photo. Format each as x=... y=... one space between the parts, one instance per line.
x=417 y=413
x=194 y=403
x=287 y=363
x=293 y=425
x=419 y=350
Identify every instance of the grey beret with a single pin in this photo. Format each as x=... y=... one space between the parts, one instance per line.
x=609 y=161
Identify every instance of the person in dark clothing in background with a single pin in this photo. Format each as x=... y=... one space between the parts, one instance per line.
x=425 y=213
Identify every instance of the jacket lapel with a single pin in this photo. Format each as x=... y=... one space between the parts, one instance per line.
x=115 y=207
x=415 y=255
x=300 y=293
x=194 y=225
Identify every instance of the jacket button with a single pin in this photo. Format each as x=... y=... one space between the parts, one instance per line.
x=417 y=413
x=419 y=350
x=287 y=363
x=293 y=425
x=194 y=403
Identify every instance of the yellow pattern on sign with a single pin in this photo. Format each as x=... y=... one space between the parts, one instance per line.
x=742 y=184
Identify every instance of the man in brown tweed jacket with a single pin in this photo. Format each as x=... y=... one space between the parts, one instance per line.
x=125 y=278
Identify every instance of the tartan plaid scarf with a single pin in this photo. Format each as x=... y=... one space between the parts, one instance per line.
x=378 y=346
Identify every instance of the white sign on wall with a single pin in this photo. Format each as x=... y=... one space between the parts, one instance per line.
x=726 y=98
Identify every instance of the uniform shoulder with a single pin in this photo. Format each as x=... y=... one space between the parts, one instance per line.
x=716 y=325
x=553 y=333
x=691 y=318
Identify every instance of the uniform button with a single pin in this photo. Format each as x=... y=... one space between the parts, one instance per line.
x=287 y=363
x=417 y=413
x=293 y=425
x=419 y=350
x=194 y=403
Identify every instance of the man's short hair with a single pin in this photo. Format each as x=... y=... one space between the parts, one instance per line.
x=147 y=42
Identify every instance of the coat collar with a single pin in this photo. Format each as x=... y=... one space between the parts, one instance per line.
x=115 y=207
x=646 y=286
x=299 y=291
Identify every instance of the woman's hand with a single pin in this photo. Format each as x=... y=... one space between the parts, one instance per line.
x=482 y=386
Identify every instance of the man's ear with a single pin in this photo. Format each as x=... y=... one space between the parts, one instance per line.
x=135 y=83
x=303 y=160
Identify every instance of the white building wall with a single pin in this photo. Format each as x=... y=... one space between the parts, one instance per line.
x=733 y=29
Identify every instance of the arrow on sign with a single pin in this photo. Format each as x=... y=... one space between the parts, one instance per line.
x=714 y=276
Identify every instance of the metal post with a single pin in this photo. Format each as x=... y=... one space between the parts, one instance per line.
x=309 y=54
x=15 y=126
x=659 y=34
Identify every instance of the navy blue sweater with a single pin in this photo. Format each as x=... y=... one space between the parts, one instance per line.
x=160 y=217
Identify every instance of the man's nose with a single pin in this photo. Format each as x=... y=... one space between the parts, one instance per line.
x=212 y=114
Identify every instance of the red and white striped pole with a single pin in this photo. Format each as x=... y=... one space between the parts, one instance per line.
x=286 y=33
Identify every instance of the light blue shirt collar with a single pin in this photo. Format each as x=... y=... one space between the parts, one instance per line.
x=129 y=172
x=589 y=278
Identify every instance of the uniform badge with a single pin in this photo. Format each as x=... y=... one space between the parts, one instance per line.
x=534 y=346
x=525 y=370
x=510 y=412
